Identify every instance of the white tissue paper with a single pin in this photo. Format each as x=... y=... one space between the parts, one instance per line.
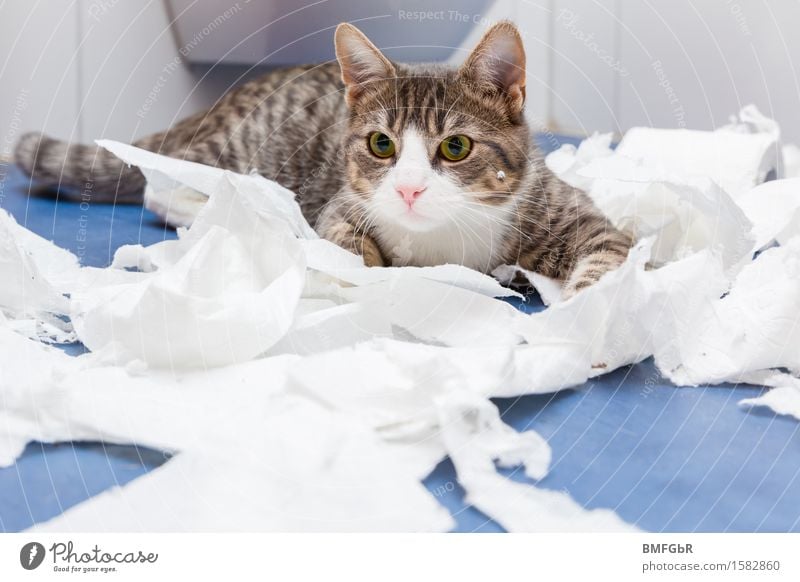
x=754 y=327
x=700 y=194
x=783 y=398
x=251 y=456
x=300 y=390
x=36 y=275
x=27 y=368
x=225 y=292
x=774 y=210
x=737 y=157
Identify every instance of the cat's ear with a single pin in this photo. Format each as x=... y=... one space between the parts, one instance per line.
x=498 y=63
x=360 y=60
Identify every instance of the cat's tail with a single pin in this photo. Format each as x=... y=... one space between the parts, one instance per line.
x=87 y=168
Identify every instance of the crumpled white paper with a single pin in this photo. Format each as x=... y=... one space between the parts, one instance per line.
x=783 y=398
x=754 y=327
x=700 y=195
x=338 y=441
x=178 y=191
x=25 y=367
x=300 y=390
x=684 y=212
x=35 y=276
x=737 y=157
x=252 y=457
x=476 y=438
x=224 y=293
x=772 y=207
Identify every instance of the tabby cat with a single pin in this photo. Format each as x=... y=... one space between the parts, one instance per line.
x=402 y=164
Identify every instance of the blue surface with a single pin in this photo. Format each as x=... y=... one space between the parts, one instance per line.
x=665 y=458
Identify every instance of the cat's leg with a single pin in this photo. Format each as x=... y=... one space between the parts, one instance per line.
x=339 y=223
x=578 y=247
x=345 y=235
x=595 y=258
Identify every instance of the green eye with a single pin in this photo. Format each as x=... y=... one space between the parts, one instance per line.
x=381 y=144
x=455 y=147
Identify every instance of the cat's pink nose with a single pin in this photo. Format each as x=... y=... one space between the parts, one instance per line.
x=410 y=192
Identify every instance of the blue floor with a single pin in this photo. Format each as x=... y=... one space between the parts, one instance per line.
x=664 y=458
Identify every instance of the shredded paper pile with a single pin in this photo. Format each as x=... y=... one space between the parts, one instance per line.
x=302 y=391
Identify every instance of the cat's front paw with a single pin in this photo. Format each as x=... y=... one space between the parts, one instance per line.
x=344 y=234
x=589 y=271
x=373 y=258
x=574 y=285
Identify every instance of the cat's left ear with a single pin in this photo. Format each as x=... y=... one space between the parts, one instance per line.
x=360 y=60
x=498 y=63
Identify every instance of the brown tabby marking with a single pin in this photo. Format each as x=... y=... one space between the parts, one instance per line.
x=308 y=129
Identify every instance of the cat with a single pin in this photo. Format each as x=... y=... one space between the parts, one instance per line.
x=401 y=164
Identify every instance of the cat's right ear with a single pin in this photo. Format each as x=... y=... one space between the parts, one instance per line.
x=498 y=63
x=360 y=60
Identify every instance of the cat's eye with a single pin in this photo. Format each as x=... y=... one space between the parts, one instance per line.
x=381 y=144
x=455 y=147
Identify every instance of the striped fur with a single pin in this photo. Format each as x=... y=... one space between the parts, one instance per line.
x=308 y=128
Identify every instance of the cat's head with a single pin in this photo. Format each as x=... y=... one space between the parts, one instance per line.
x=431 y=145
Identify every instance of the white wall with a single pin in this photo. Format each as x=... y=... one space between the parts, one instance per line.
x=533 y=18
x=110 y=68
x=674 y=63
x=134 y=81
x=92 y=68
x=584 y=68
x=38 y=69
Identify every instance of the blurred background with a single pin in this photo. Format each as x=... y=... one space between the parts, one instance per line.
x=120 y=69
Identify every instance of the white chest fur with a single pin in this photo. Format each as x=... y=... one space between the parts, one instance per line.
x=475 y=240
